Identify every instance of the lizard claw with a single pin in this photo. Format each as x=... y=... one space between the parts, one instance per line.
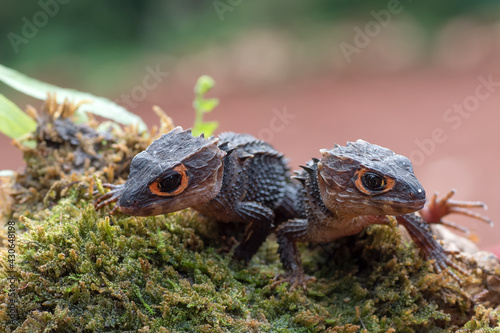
x=295 y=279
x=430 y=247
x=435 y=210
x=109 y=197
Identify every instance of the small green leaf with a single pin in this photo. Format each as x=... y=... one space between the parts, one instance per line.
x=208 y=128
x=205 y=105
x=203 y=85
x=13 y=121
x=100 y=106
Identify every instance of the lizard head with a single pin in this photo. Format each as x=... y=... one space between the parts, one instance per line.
x=366 y=179
x=176 y=171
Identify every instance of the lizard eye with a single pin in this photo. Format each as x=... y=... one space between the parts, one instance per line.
x=373 y=182
x=171 y=184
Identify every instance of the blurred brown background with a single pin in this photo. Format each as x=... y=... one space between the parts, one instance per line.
x=421 y=78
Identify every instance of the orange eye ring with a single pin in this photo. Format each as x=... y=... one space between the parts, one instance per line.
x=387 y=183
x=155 y=187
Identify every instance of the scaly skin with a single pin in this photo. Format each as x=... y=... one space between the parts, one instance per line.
x=233 y=178
x=351 y=188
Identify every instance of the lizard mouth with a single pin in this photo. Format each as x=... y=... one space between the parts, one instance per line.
x=127 y=210
x=418 y=204
x=134 y=207
x=409 y=206
x=149 y=210
x=130 y=210
x=412 y=200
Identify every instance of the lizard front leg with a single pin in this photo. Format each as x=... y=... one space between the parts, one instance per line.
x=422 y=236
x=433 y=212
x=255 y=234
x=109 y=197
x=298 y=230
x=288 y=234
x=258 y=229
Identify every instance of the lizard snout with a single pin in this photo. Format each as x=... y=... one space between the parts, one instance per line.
x=417 y=197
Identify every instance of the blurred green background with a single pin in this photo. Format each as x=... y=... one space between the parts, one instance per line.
x=91 y=42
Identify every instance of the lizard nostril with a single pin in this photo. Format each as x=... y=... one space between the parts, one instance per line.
x=418 y=195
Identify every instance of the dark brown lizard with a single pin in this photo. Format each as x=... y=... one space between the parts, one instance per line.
x=232 y=178
x=351 y=188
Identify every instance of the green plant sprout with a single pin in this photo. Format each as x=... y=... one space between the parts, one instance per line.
x=204 y=105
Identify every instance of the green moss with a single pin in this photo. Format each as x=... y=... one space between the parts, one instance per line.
x=80 y=268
